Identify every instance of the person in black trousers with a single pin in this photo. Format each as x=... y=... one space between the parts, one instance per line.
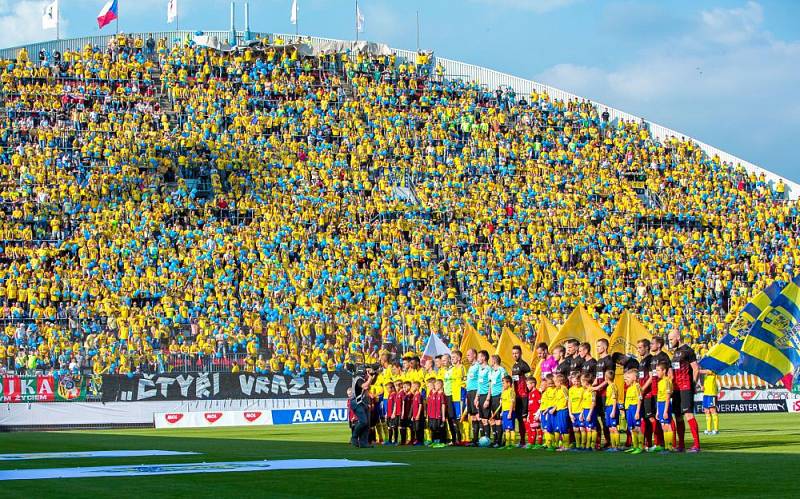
x=359 y=403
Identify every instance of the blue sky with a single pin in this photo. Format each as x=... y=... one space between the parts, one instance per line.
x=724 y=72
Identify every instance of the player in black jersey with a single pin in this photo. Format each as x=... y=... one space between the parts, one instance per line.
x=574 y=356
x=648 y=401
x=564 y=364
x=604 y=363
x=657 y=356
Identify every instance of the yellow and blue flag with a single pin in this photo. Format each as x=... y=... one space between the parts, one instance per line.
x=770 y=350
x=726 y=353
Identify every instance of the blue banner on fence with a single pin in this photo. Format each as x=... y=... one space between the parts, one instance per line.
x=298 y=416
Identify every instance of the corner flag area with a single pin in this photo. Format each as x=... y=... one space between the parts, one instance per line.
x=748 y=458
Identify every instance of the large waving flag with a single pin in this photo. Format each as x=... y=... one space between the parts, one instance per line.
x=545 y=331
x=627 y=334
x=505 y=345
x=770 y=351
x=580 y=326
x=107 y=14
x=726 y=353
x=472 y=339
x=435 y=347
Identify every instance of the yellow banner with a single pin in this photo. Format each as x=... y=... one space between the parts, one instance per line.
x=506 y=345
x=627 y=334
x=580 y=326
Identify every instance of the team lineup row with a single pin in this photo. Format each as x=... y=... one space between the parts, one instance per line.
x=569 y=401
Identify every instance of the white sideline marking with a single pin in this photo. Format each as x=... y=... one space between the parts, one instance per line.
x=176 y=469
x=96 y=453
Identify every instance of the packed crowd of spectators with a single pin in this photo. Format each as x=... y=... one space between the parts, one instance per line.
x=299 y=213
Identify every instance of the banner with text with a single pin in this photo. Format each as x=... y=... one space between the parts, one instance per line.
x=216 y=386
x=43 y=388
x=208 y=419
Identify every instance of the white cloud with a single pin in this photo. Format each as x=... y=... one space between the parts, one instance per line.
x=538 y=6
x=21 y=22
x=733 y=26
x=729 y=83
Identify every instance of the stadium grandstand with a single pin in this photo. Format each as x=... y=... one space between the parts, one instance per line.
x=287 y=204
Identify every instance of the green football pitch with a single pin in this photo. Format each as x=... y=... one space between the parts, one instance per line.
x=754 y=455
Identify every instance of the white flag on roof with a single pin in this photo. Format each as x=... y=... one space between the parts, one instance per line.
x=172 y=10
x=359 y=19
x=293 y=18
x=50 y=16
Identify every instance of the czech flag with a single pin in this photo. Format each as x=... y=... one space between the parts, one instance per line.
x=107 y=14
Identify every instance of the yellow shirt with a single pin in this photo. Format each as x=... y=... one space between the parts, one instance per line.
x=507 y=398
x=547 y=399
x=576 y=399
x=388 y=377
x=632 y=395
x=664 y=389
x=560 y=398
x=612 y=397
x=457 y=375
x=710 y=387
x=587 y=400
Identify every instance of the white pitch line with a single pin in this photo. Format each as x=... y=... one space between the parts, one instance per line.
x=183 y=468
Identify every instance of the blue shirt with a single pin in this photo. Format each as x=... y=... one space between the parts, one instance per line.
x=472 y=377
x=483 y=379
x=496 y=380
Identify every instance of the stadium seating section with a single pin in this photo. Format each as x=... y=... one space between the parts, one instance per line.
x=169 y=207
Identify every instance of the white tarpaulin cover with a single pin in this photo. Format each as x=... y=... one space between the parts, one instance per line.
x=305 y=49
x=183 y=468
x=361 y=47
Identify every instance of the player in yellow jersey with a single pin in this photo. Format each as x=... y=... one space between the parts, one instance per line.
x=575 y=409
x=508 y=398
x=454 y=378
x=561 y=412
x=633 y=410
x=710 y=393
x=663 y=397
x=545 y=416
x=588 y=408
x=612 y=410
x=378 y=390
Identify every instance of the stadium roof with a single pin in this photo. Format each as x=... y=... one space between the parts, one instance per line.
x=452 y=69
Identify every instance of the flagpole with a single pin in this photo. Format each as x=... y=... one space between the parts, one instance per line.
x=58 y=22
x=297 y=21
x=417 y=31
x=356 y=20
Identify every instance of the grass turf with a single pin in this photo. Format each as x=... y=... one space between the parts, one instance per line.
x=755 y=455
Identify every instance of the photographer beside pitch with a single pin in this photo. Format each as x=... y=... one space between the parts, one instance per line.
x=359 y=404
